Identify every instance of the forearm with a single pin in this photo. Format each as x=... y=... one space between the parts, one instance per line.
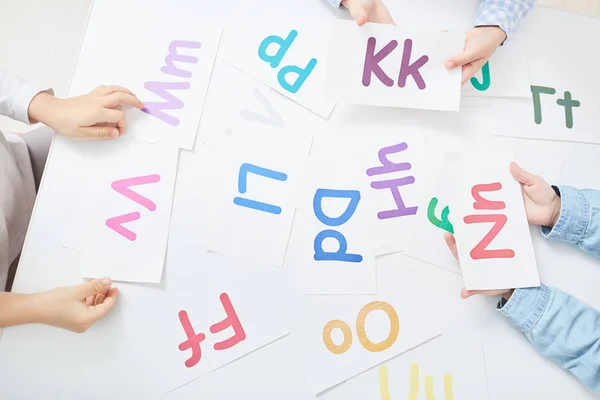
x=579 y=220
x=561 y=328
x=503 y=13
x=17 y=309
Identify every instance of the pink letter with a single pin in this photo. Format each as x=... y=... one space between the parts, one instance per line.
x=480 y=251
x=484 y=204
x=231 y=320
x=116 y=224
x=193 y=340
x=122 y=186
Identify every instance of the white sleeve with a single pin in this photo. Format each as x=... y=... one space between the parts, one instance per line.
x=15 y=96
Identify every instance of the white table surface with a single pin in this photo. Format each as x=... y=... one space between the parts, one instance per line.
x=41 y=362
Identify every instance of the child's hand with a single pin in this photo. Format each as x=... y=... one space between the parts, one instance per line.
x=75 y=308
x=480 y=44
x=364 y=11
x=542 y=205
x=91 y=116
x=465 y=294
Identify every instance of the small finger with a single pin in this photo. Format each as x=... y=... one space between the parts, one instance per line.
x=99 y=298
x=357 y=11
x=89 y=301
x=98 y=132
x=451 y=243
x=114 y=100
x=116 y=117
x=464 y=57
x=471 y=69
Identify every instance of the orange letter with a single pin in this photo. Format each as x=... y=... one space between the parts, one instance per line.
x=483 y=204
x=394 y=326
x=334 y=348
x=480 y=251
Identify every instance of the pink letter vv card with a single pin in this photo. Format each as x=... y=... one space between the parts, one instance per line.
x=123 y=222
x=490 y=224
x=384 y=65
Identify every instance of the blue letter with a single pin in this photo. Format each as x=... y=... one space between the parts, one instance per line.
x=294 y=69
x=340 y=254
x=284 y=46
x=353 y=195
x=242 y=186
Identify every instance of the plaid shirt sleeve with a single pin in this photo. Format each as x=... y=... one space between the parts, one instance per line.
x=335 y=3
x=505 y=13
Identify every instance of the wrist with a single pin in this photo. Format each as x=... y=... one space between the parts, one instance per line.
x=42 y=107
x=556 y=207
x=508 y=294
x=17 y=309
x=496 y=32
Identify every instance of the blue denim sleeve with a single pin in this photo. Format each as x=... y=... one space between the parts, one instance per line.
x=561 y=328
x=504 y=13
x=335 y=3
x=579 y=221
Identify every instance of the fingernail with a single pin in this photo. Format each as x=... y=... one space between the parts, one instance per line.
x=115 y=133
x=106 y=281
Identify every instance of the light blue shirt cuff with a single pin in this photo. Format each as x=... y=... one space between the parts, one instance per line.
x=526 y=306
x=574 y=216
x=335 y=3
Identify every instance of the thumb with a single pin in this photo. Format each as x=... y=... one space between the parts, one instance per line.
x=357 y=11
x=98 y=132
x=93 y=287
x=521 y=175
x=464 y=57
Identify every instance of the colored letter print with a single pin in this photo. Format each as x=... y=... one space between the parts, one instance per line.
x=413 y=393
x=443 y=223
x=274 y=60
x=171 y=102
x=361 y=331
x=242 y=187
x=480 y=251
x=372 y=60
x=567 y=102
x=123 y=187
x=341 y=254
x=388 y=167
x=194 y=339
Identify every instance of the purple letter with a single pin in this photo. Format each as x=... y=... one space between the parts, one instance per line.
x=372 y=62
x=407 y=69
x=393 y=185
x=173 y=56
x=171 y=103
x=387 y=165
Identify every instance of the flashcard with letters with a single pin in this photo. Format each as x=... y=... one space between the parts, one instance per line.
x=289 y=56
x=384 y=65
x=490 y=225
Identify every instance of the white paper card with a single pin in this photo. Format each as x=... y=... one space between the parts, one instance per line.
x=384 y=65
x=506 y=74
x=346 y=335
x=167 y=67
x=125 y=210
x=289 y=56
x=563 y=103
x=441 y=369
x=249 y=199
x=490 y=225
x=236 y=101
x=211 y=312
x=333 y=250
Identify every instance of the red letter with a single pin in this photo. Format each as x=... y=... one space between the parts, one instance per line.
x=193 y=341
x=480 y=251
x=231 y=320
x=483 y=204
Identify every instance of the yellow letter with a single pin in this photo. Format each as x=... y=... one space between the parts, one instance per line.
x=394 y=326
x=414 y=382
x=342 y=348
x=384 y=389
x=448 y=393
